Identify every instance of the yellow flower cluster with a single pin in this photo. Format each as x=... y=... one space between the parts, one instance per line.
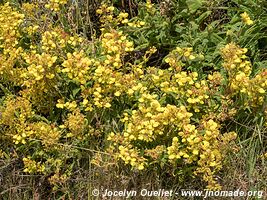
x=15 y=111
x=132 y=156
x=50 y=39
x=7 y=71
x=136 y=23
x=55 y=5
x=15 y=115
x=99 y=101
x=106 y=13
x=56 y=39
x=237 y=65
x=149 y=4
x=29 y=9
x=246 y=19
x=178 y=56
x=31 y=30
x=24 y=132
x=212 y=156
x=40 y=68
x=39 y=77
x=108 y=19
x=49 y=134
x=125 y=151
x=239 y=70
x=202 y=143
x=122 y=17
x=212 y=152
x=104 y=9
x=215 y=79
x=258 y=88
x=182 y=85
x=109 y=83
x=57 y=42
x=263 y=156
x=195 y=91
x=189 y=137
x=116 y=45
x=149 y=122
x=108 y=78
x=77 y=66
x=150 y=7
x=122 y=149
x=69 y=105
x=203 y=146
x=10 y=20
x=31 y=166
x=76 y=123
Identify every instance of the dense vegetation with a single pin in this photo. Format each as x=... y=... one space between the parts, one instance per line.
x=132 y=94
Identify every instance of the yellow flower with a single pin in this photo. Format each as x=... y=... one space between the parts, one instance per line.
x=117 y=93
x=246 y=19
x=195 y=152
x=141 y=167
x=192 y=57
x=107 y=105
x=175 y=139
x=142 y=23
x=261 y=90
x=60 y=105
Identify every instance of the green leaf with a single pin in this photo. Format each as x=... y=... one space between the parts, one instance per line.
x=203 y=16
x=75 y=91
x=215 y=38
x=193 y=5
x=40 y=118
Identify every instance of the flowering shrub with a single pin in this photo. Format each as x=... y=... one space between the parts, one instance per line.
x=64 y=90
